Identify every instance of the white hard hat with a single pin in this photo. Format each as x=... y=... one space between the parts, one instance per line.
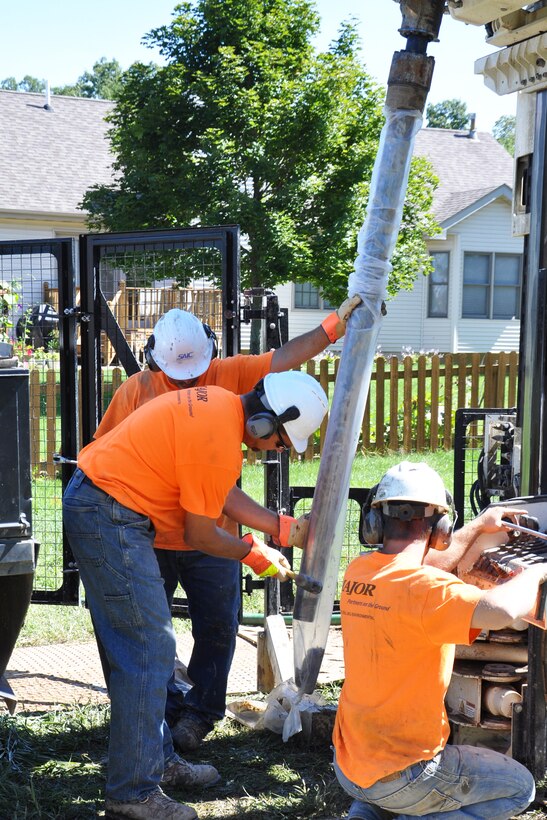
x=301 y=391
x=413 y=481
x=182 y=348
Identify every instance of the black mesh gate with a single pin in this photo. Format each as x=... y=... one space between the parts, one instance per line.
x=80 y=334
x=129 y=280
x=36 y=278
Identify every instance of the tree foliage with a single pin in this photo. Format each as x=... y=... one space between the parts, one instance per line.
x=447 y=114
x=504 y=132
x=102 y=82
x=245 y=123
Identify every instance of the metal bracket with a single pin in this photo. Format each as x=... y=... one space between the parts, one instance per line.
x=78 y=313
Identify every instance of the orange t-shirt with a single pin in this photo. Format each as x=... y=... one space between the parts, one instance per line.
x=180 y=452
x=239 y=374
x=400 y=624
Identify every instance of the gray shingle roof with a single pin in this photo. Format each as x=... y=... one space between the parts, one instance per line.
x=48 y=159
x=468 y=169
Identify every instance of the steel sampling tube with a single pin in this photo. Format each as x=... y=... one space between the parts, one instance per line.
x=409 y=81
x=321 y=557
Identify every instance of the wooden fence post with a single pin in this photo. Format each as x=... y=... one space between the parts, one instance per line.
x=421 y=408
x=407 y=404
x=394 y=404
x=447 y=420
x=380 y=404
x=51 y=411
x=434 y=424
x=34 y=386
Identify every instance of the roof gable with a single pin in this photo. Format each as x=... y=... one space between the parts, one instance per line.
x=470 y=170
x=50 y=157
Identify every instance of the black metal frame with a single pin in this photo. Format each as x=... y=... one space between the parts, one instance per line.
x=98 y=315
x=465 y=417
x=63 y=250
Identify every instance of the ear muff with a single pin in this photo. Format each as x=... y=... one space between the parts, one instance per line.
x=265 y=423
x=148 y=357
x=210 y=333
x=372 y=527
x=441 y=533
x=261 y=425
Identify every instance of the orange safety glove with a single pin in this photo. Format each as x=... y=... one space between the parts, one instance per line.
x=292 y=531
x=263 y=560
x=335 y=323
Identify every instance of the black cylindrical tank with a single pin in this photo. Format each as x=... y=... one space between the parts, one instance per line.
x=16 y=543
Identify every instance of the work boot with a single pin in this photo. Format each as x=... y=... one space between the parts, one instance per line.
x=188 y=732
x=155 y=806
x=182 y=773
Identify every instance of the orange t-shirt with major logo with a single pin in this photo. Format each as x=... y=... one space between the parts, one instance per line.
x=180 y=452
x=400 y=624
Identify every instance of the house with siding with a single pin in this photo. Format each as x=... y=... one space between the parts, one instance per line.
x=54 y=149
x=471 y=302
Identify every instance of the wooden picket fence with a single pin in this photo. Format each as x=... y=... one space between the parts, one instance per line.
x=410 y=407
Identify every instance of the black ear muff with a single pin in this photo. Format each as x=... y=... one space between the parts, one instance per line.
x=372 y=527
x=210 y=333
x=148 y=357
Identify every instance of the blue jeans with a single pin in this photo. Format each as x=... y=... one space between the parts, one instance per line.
x=113 y=546
x=460 y=782
x=212 y=589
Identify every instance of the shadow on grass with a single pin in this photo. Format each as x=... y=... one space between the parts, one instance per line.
x=50 y=768
x=50 y=763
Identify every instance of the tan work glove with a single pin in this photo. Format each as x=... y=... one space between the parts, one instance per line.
x=292 y=531
x=263 y=560
x=335 y=323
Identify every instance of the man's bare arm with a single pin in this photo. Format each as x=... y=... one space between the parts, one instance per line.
x=489 y=521
x=503 y=604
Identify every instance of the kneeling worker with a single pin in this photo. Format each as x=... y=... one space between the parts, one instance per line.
x=401 y=619
x=168 y=469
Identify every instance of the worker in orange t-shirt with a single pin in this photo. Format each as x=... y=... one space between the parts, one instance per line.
x=401 y=619
x=182 y=352
x=167 y=471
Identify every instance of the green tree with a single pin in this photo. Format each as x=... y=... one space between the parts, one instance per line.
x=447 y=114
x=245 y=123
x=9 y=84
x=102 y=82
x=504 y=132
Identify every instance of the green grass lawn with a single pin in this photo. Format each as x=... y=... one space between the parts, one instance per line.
x=52 y=764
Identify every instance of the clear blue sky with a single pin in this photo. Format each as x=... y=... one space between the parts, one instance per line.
x=59 y=41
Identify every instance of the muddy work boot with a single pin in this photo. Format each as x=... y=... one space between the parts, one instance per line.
x=184 y=774
x=155 y=806
x=188 y=732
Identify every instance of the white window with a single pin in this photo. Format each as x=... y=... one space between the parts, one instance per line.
x=308 y=297
x=437 y=301
x=491 y=286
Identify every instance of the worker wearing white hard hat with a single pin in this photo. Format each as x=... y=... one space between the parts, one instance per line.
x=401 y=619
x=181 y=353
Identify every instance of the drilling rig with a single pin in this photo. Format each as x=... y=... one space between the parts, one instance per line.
x=499 y=689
